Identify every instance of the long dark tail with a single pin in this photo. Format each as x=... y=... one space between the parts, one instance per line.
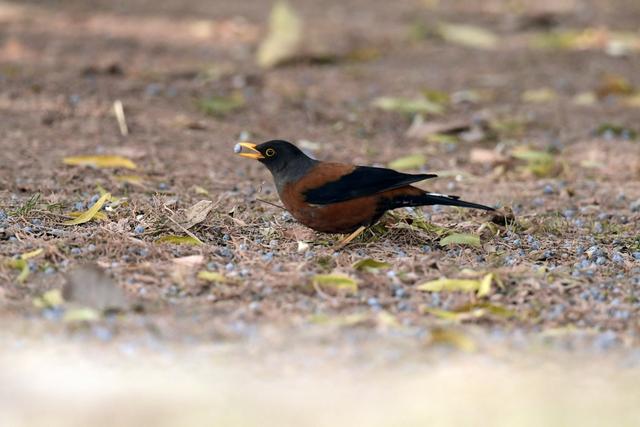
x=427 y=199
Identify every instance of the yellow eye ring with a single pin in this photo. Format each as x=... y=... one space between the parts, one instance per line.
x=270 y=152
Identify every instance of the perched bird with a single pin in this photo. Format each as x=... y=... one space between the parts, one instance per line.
x=339 y=197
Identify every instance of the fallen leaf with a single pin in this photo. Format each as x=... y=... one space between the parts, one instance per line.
x=412 y=161
x=468 y=35
x=22 y=264
x=130 y=179
x=421 y=129
x=197 y=213
x=460 y=239
x=90 y=286
x=284 y=37
x=538 y=96
x=100 y=162
x=452 y=338
x=191 y=261
x=481 y=287
x=486 y=156
x=540 y=163
x=179 y=240
x=90 y=213
x=407 y=105
x=336 y=281
x=221 y=105
x=83 y=314
x=612 y=84
x=212 y=276
x=370 y=265
x=585 y=99
x=100 y=216
x=51 y=298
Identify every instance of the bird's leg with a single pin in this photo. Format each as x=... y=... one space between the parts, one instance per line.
x=344 y=242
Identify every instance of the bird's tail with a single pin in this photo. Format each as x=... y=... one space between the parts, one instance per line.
x=420 y=198
x=443 y=199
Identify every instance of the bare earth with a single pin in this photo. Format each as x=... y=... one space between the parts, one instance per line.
x=556 y=341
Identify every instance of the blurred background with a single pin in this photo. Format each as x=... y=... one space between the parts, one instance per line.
x=135 y=106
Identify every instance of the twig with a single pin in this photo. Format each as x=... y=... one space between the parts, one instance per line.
x=118 y=109
x=272 y=204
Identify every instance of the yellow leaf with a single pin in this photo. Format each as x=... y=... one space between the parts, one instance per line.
x=100 y=216
x=130 y=179
x=408 y=105
x=283 y=40
x=51 y=298
x=179 y=240
x=443 y=314
x=413 y=161
x=32 y=254
x=585 y=99
x=485 y=285
x=460 y=239
x=481 y=287
x=211 y=276
x=200 y=190
x=90 y=213
x=100 y=162
x=81 y=315
x=539 y=96
x=336 y=281
x=370 y=265
x=468 y=35
x=23 y=266
x=452 y=338
x=465 y=285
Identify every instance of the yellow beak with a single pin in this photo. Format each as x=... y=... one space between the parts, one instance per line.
x=256 y=155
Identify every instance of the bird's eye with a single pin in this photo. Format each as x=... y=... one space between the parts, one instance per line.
x=270 y=152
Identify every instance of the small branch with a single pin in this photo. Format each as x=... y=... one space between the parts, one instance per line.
x=118 y=109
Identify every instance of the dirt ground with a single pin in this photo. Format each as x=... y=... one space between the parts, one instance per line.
x=565 y=298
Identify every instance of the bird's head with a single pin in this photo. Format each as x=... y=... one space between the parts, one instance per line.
x=282 y=158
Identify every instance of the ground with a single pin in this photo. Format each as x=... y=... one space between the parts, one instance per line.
x=548 y=133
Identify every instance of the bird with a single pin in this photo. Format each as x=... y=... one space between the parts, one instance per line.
x=341 y=198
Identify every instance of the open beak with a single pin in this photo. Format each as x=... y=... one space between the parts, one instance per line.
x=253 y=154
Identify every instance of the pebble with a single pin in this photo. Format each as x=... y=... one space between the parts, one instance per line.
x=79 y=206
x=399 y=292
x=548 y=189
x=601 y=260
x=163 y=186
x=426 y=249
x=102 y=333
x=595 y=251
x=584 y=264
x=598 y=228
x=374 y=303
x=94 y=199
x=605 y=340
x=230 y=266
x=268 y=256
x=617 y=258
x=76 y=251
x=139 y=229
x=635 y=206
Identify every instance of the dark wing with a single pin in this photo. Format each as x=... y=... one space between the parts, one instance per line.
x=359 y=182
